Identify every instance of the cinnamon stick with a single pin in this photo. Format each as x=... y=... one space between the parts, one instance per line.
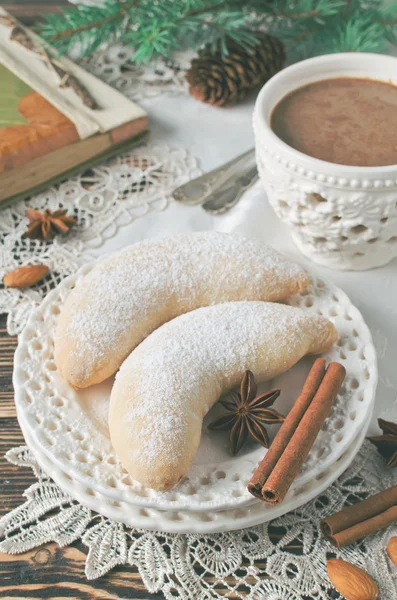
x=355 y=522
x=294 y=455
x=287 y=429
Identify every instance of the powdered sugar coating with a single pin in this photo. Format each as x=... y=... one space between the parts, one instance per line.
x=131 y=293
x=170 y=381
x=211 y=481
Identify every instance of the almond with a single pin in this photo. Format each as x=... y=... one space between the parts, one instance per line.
x=392 y=550
x=351 y=581
x=26 y=276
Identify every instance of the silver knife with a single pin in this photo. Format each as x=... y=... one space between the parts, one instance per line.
x=221 y=188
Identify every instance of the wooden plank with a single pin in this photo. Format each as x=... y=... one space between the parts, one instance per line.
x=49 y=571
x=30 y=11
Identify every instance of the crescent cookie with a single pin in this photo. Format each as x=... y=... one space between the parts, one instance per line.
x=129 y=294
x=170 y=381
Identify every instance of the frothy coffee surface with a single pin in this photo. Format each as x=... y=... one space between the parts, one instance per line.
x=348 y=121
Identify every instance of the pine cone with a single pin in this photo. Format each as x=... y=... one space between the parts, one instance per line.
x=225 y=80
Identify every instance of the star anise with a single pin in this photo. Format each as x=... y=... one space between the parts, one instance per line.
x=43 y=226
x=247 y=414
x=387 y=443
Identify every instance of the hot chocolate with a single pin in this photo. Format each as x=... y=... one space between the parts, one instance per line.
x=348 y=121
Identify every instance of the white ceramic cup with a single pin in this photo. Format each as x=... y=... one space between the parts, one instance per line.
x=340 y=216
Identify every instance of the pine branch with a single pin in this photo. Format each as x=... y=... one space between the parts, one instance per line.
x=306 y=10
x=160 y=27
x=305 y=34
x=303 y=15
x=387 y=21
x=95 y=25
x=124 y=11
x=211 y=8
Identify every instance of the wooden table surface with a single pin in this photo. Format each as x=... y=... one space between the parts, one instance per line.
x=48 y=571
x=29 y=11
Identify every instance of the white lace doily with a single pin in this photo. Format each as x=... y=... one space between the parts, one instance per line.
x=137 y=82
x=211 y=567
x=103 y=199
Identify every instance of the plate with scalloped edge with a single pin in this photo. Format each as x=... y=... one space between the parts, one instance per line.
x=204 y=522
x=70 y=426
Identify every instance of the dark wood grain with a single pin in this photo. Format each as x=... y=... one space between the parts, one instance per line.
x=48 y=571
x=51 y=572
x=30 y=11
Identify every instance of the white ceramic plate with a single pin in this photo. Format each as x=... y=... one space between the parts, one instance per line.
x=209 y=521
x=70 y=427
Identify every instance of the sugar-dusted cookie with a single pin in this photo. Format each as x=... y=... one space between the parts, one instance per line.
x=131 y=293
x=170 y=381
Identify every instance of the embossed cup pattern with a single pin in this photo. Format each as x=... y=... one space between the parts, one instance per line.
x=340 y=216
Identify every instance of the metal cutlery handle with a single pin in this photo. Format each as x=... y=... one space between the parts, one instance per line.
x=226 y=197
x=202 y=188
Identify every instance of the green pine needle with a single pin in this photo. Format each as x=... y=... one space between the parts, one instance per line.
x=359 y=35
x=159 y=28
